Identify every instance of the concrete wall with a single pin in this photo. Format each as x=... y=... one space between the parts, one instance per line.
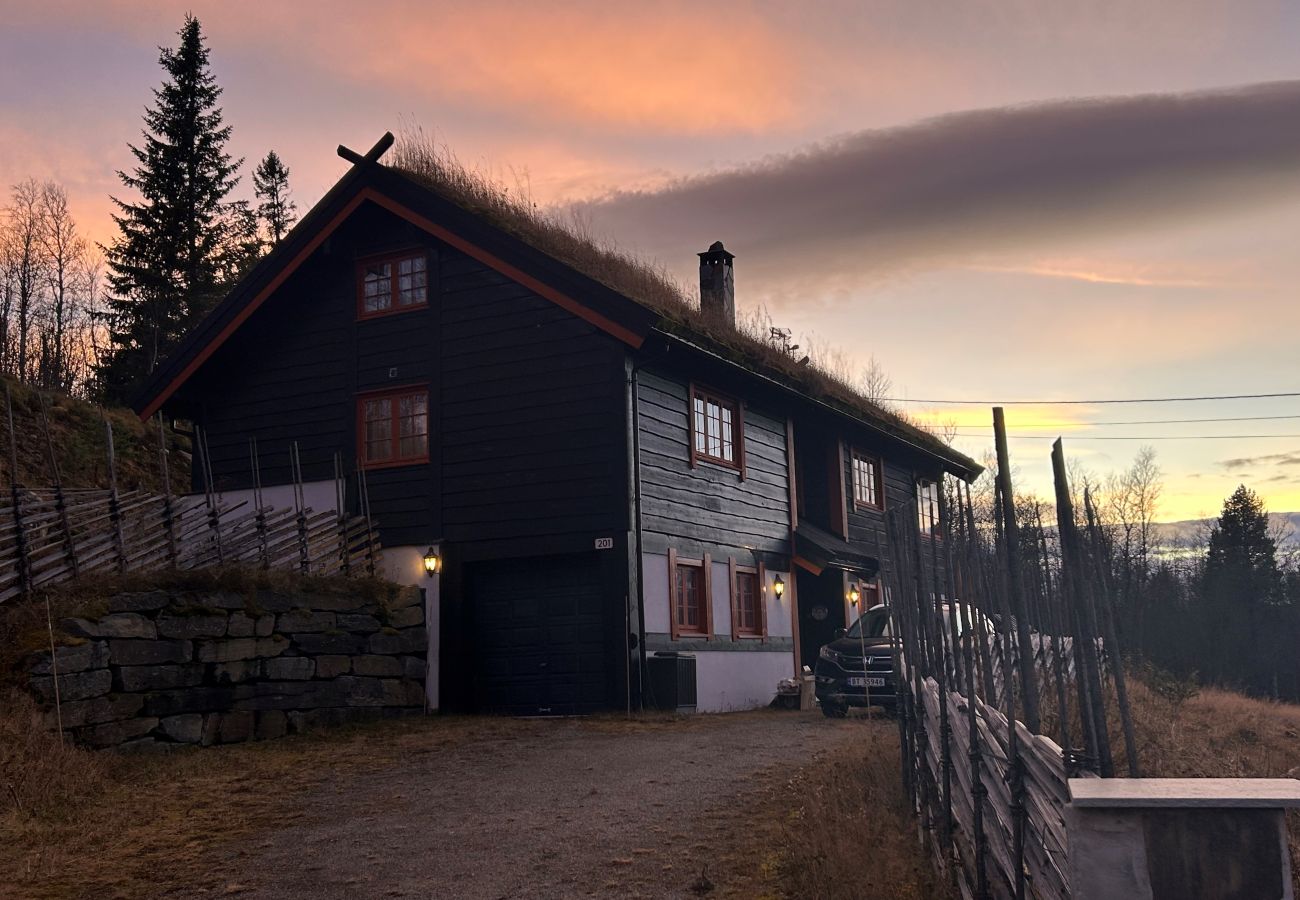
x=730 y=674
x=405 y=565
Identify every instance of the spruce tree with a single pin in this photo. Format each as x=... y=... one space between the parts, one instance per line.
x=1241 y=590
x=1242 y=556
x=271 y=184
x=166 y=264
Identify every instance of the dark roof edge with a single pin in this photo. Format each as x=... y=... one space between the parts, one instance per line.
x=956 y=463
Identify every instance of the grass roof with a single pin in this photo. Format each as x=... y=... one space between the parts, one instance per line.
x=747 y=342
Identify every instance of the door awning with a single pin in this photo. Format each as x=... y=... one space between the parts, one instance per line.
x=826 y=550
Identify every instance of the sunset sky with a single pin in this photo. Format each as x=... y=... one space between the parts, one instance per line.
x=999 y=201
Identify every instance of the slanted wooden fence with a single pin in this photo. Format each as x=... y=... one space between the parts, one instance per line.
x=51 y=535
x=1028 y=649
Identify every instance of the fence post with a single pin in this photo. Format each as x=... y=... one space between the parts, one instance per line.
x=1112 y=640
x=114 y=502
x=1011 y=537
x=1072 y=564
x=15 y=492
x=300 y=509
x=169 y=519
x=60 y=502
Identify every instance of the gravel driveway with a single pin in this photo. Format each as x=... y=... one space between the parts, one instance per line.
x=555 y=808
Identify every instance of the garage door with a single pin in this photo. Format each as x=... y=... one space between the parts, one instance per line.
x=539 y=636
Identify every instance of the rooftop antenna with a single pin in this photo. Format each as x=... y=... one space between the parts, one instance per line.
x=780 y=338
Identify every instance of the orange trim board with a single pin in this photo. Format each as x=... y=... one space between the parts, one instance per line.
x=469 y=249
x=809 y=566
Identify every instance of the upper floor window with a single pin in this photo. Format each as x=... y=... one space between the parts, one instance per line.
x=716 y=429
x=392 y=284
x=868 y=481
x=393 y=427
x=927 y=507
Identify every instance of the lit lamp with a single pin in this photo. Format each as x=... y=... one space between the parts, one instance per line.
x=778 y=587
x=432 y=562
x=854 y=593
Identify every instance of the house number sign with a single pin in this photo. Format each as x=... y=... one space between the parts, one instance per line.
x=604 y=543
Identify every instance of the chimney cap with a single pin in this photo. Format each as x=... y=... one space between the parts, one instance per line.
x=716 y=252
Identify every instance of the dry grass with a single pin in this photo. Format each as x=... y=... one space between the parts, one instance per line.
x=75 y=823
x=80 y=444
x=825 y=376
x=107 y=825
x=849 y=831
x=1215 y=734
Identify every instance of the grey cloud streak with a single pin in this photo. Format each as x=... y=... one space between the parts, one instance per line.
x=1291 y=458
x=970 y=183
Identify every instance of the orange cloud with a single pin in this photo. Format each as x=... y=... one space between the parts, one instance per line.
x=642 y=68
x=668 y=67
x=1108 y=272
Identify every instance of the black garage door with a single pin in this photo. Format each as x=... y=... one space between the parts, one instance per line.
x=539 y=633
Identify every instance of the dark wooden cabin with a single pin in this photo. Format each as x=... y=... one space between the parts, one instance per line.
x=606 y=479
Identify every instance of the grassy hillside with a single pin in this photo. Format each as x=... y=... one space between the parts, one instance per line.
x=1186 y=732
x=80 y=444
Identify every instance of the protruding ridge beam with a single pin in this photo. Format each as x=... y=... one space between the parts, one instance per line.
x=379 y=149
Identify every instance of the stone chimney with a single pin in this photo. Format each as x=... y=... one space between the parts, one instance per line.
x=718 y=285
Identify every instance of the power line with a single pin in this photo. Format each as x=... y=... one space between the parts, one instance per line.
x=1095 y=402
x=1142 y=422
x=1155 y=437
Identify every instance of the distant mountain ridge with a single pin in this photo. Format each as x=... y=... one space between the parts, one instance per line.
x=1193 y=531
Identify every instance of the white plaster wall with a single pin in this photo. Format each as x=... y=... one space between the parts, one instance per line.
x=405 y=565
x=654 y=584
x=658 y=616
x=317 y=495
x=725 y=679
x=739 y=679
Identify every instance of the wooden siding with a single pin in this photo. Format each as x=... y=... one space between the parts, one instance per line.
x=532 y=429
x=708 y=508
x=526 y=411
x=869 y=528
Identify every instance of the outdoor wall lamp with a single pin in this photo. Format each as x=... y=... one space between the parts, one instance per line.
x=778 y=587
x=854 y=593
x=432 y=562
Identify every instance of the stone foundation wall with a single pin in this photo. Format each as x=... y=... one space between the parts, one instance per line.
x=168 y=667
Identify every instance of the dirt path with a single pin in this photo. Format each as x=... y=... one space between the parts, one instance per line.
x=550 y=809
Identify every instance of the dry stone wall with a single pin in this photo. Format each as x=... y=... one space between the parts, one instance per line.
x=163 y=668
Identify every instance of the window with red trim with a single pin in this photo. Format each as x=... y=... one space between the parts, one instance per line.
x=747 y=602
x=689 y=601
x=393 y=427
x=868 y=482
x=392 y=284
x=715 y=428
x=691 y=614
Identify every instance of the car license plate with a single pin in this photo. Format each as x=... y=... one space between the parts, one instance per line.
x=866 y=681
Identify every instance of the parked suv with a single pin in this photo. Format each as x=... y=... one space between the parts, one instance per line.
x=842 y=680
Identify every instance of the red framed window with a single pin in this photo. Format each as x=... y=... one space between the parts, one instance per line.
x=393 y=427
x=748 y=609
x=868 y=481
x=393 y=283
x=717 y=430
x=689 y=596
x=927 y=508
x=870 y=595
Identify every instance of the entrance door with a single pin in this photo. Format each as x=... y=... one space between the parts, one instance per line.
x=539 y=635
x=821 y=611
